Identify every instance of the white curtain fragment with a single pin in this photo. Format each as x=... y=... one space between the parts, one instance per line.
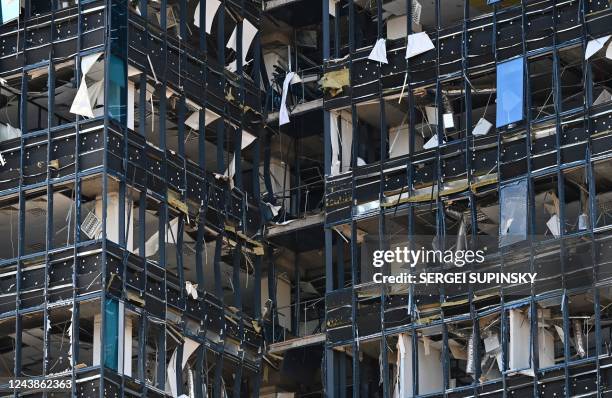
x=211 y=10
x=85 y=98
x=248 y=34
x=379 y=52
x=189 y=346
x=283 y=117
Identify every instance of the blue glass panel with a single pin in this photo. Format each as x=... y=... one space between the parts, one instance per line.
x=117 y=94
x=111 y=341
x=509 y=92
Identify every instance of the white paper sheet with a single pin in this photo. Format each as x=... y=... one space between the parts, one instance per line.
x=583 y=222
x=595 y=45
x=418 y=43
x=283 y=117
x=482 y=127
x=379 y=52
x=554 y=225
x=432 y=117
x=448 y=120
x=432 y=143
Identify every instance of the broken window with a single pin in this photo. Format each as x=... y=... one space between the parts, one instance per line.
x=487 y=220
x=428 y=360
x=89 y=334
x=541 y=86
x=174 y=104
x=151 y=107
x=154 y=370
x=32 y=332
x=551 y=334
x=91 y=212
x=9 y=113
x=543 y=145
x=151 y=230
x=513 y=156
x=7 y=342
x=65 y=92
x=427 y=118
x=509 y=92
x=602 y=174
x=89 y=98
x=38 y=99
x=513 y=219
x=605 y=306
x=520 y=341
x=489 y=345
x=341 y=141
x=59 y=340
x=9 y=216
x=547 y=208
x=578 y=269
x=600 y=64
x=576 y=197
x=155 y=15
x=581 y=311
x=132 y=338
x=370 y=137
x=35 y=224
x=571 y=78
x=483 y=96
x=370 y=363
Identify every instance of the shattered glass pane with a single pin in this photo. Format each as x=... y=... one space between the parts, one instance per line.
x=513 y=221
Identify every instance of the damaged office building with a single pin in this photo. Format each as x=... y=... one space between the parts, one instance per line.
x=192 y=192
